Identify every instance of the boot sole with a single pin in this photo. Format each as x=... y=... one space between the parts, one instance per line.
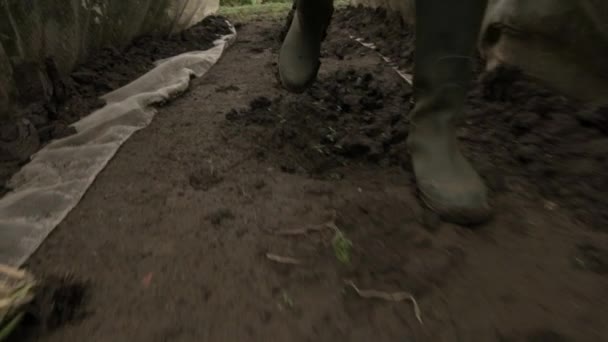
x=463 y=217
x=298 y=89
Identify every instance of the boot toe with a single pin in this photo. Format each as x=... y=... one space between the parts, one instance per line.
x=463 y=205
x=297 y=80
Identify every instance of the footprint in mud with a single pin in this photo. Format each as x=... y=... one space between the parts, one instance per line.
x=257 y=49
x=205 y=179
x=220 y=216
x=428 y=267
x=227 y=89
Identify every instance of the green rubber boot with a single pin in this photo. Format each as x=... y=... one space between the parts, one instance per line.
x=301 y=49
x=446 y=36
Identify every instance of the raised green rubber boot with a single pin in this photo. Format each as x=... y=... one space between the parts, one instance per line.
x=446 y=37
x=301 y=49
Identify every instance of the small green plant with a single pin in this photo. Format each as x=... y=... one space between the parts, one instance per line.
x=342 y=247
x=287 y=300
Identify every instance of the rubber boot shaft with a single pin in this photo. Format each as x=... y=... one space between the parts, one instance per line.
x=447 y=33
x=446 y=36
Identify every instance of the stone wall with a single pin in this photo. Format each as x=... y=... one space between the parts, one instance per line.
x=561 y=42
x=70 y=30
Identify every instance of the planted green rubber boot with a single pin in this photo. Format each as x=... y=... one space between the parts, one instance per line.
x=301 y=49
x=446 y=36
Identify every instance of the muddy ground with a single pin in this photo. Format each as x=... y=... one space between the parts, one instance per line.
x=244 y=213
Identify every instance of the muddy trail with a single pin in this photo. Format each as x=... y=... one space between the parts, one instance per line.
x=245 y=213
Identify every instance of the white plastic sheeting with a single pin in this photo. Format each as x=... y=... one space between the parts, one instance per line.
x=57 y=177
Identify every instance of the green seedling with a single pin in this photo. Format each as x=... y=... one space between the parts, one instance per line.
x=287 y=300
x=342 y=247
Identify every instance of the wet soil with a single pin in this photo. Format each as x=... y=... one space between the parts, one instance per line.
x=245 y=213
x=59 y=300
x=48 y=116
x=353 y=115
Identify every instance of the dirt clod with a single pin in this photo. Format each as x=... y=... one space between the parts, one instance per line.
x=59 y=300
x=350 y=115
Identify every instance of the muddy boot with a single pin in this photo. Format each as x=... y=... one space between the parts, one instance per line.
x=301 y=49
x=446 y=36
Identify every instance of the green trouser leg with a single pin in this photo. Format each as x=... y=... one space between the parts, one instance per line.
x=446 y=37
x=301 y=49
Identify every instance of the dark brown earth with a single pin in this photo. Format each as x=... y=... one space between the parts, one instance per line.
x=244 y=213
x=387 y=31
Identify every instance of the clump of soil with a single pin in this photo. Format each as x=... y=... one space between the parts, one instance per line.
x=556 y=144
x=349 y=116
x=77 y=95
x=59 y=300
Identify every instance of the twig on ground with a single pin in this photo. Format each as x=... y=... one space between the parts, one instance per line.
x=283 y=259
x=310 y=229
x=303 y=230
x=391 y=297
